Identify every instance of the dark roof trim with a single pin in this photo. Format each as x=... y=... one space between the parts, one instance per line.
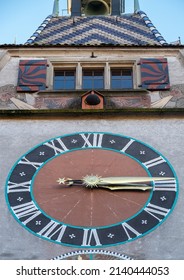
x=34 y=46
x=152 y=28
x=39 y=30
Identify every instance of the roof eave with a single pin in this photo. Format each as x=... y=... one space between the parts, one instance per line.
x=40 y=46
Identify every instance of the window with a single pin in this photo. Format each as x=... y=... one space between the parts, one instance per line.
x=64 y=79
x=93 y=79
x=121 y=78
x=75 y=76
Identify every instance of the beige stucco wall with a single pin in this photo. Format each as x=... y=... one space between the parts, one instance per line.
x=105 y=57
x=9 y=59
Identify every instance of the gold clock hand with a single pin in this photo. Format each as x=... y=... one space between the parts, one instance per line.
x=129 y=180
x=96 y=181
x=70 y=182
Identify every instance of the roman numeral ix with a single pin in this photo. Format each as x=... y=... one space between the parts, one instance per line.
x=22 y=187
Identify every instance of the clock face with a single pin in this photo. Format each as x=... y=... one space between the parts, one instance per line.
x=80 y=216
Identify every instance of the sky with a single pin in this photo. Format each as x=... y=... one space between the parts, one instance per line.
x=19 y=19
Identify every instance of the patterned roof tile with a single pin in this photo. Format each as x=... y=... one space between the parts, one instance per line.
x=129 y=29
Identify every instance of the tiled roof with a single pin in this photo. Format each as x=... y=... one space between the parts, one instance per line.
x=128 y=29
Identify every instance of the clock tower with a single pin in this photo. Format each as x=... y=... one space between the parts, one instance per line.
x=92 y=134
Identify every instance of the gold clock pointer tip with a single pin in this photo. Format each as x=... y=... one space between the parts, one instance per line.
x=69 y=182
x=65 y=181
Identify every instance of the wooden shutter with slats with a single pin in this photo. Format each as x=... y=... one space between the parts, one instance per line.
x=155 y=74
x=32 y=75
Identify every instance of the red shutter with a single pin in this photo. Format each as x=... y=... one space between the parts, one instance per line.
x=32 y=75
x=155 y=73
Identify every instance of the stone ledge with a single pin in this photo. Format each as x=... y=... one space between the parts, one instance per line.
x=114 y=112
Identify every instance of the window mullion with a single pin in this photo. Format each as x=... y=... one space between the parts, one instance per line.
x=107 y=76
x=79 y=76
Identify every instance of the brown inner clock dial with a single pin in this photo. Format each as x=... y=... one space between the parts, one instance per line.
x=81 y=206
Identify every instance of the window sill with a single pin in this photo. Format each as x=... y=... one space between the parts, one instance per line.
x=105 y=92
